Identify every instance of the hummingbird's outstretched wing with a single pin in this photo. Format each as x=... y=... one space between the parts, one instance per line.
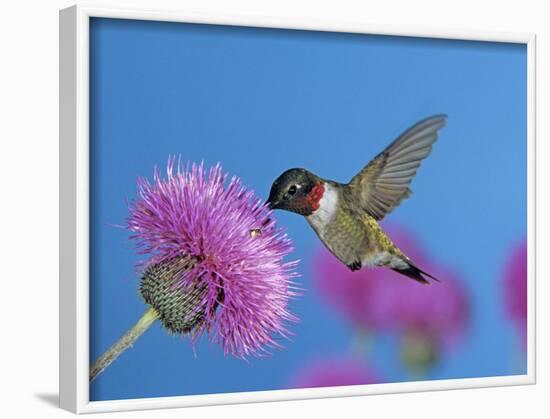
x=384 y=182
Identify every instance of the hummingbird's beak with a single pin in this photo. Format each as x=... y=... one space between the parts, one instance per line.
x=272 y=202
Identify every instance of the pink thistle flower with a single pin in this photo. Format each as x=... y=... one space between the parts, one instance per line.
x=515 y=288
x=380 y=299
x=332 y=372
x=441 y=312
x=241 y=284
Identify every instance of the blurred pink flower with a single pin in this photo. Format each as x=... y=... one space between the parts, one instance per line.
x=380 y=299
x=515 y=287
x=331 y=372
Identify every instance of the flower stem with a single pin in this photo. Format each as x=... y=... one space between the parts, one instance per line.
x=146 y=320
x=361 y=343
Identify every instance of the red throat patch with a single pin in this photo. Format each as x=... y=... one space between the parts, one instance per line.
x=315 y=196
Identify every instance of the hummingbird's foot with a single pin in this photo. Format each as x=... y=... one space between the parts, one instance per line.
x=355 y=266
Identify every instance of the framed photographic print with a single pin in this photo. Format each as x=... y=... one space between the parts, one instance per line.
x=258 y=209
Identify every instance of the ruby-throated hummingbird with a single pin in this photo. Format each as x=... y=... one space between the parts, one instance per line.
x=346 y=216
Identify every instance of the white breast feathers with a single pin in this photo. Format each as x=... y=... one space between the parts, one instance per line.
x=328 y=208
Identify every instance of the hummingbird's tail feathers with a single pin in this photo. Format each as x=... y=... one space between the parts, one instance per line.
x=415 y=273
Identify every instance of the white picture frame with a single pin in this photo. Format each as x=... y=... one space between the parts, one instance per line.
x=74 y=209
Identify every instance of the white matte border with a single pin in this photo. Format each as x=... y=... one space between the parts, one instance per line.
x=74 y=210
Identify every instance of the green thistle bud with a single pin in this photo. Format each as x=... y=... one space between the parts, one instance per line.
x=178 y=307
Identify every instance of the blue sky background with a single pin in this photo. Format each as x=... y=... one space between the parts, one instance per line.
x=261 y=101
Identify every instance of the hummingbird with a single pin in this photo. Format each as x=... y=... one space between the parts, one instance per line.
x=346 y=217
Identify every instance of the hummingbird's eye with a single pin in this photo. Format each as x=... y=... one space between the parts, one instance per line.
x=292 y=190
